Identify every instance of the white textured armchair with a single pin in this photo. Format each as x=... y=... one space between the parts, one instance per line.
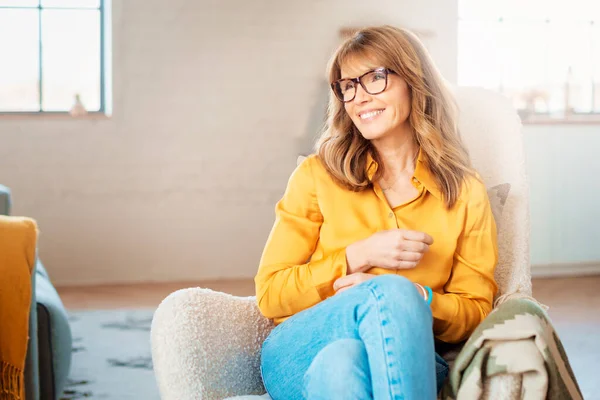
x=206 y=345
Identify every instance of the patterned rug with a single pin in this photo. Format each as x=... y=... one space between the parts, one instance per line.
x=111 y=356
x=111 y=353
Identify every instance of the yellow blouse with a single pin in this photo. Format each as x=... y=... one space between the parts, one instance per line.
x=316 y=220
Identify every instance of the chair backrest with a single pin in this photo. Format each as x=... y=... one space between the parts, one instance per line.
x=491 y=129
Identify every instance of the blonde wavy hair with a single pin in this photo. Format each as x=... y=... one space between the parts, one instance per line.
x=343 y=150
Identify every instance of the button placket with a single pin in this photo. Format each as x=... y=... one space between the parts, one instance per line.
x=392 y=221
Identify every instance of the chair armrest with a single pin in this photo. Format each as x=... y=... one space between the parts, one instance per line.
x=4 y=200
x=207 y=344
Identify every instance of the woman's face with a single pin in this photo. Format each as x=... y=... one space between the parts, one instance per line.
x=380 y=115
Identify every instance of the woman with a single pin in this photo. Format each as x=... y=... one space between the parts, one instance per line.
x=382 y=241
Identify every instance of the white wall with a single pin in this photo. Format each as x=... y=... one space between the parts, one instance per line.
x=564 y=172
x=211 y=101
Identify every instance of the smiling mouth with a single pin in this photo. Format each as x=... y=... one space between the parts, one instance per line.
x=370 y=114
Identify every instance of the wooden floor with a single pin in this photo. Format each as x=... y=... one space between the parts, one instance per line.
x=141 y=295
x=568 y=297
x=574 y=310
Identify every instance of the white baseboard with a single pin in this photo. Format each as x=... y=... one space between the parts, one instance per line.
x=565 y=269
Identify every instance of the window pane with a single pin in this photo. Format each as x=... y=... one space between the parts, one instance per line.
x=479 y=55
x=523 y=48
x=71 y=3
x=19 y=69
x=70 y=59
x=479 y=10
x=19 y=3
x=573 y=10
x=532 y=10
x=544 y=55
x=523 y=10
x=572 y=65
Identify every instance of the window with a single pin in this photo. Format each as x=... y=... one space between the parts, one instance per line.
x=53 y=52
x=545 y=56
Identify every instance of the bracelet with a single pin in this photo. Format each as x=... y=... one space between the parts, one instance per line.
x=429 y=294
x=425 y=292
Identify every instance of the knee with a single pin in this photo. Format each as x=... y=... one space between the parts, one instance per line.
x=339 y=370
x=397 y=287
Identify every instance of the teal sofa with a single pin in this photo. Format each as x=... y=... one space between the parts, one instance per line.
x=49 y=353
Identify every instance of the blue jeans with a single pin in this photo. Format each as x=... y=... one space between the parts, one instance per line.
x=373 y=341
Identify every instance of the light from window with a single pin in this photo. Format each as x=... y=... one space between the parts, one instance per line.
x=545 y=56
x=51 y=53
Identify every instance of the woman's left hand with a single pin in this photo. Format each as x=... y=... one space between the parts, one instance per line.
x=348 y=281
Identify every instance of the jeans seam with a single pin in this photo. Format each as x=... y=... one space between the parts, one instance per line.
x=373 y=291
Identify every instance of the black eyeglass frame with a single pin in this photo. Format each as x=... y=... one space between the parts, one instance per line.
x=358 y=81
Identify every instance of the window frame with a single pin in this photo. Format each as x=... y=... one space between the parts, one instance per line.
x=105 y=101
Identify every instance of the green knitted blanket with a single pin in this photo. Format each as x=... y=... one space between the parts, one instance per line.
x=516 y=338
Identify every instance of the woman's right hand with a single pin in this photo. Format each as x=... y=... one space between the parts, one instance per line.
x=391 y=249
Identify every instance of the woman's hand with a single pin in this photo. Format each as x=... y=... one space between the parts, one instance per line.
x=391 y=249
x=397 y=248
x=348 y=281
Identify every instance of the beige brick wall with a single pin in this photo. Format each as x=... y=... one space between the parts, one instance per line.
x=213 y=100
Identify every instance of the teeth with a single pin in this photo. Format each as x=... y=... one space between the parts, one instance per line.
x=370 y=114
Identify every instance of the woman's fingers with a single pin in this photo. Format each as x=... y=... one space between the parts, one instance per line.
x=413 y=246
x=342 y=289
x=411 y=256
x=340 y=283
x=351 y=280
x=347 y=280
x=405 y=264
x=417 y=236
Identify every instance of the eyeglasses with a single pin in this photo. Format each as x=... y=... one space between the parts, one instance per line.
x=373 y=82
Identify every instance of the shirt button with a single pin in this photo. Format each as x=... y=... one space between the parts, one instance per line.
x=391 y=215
